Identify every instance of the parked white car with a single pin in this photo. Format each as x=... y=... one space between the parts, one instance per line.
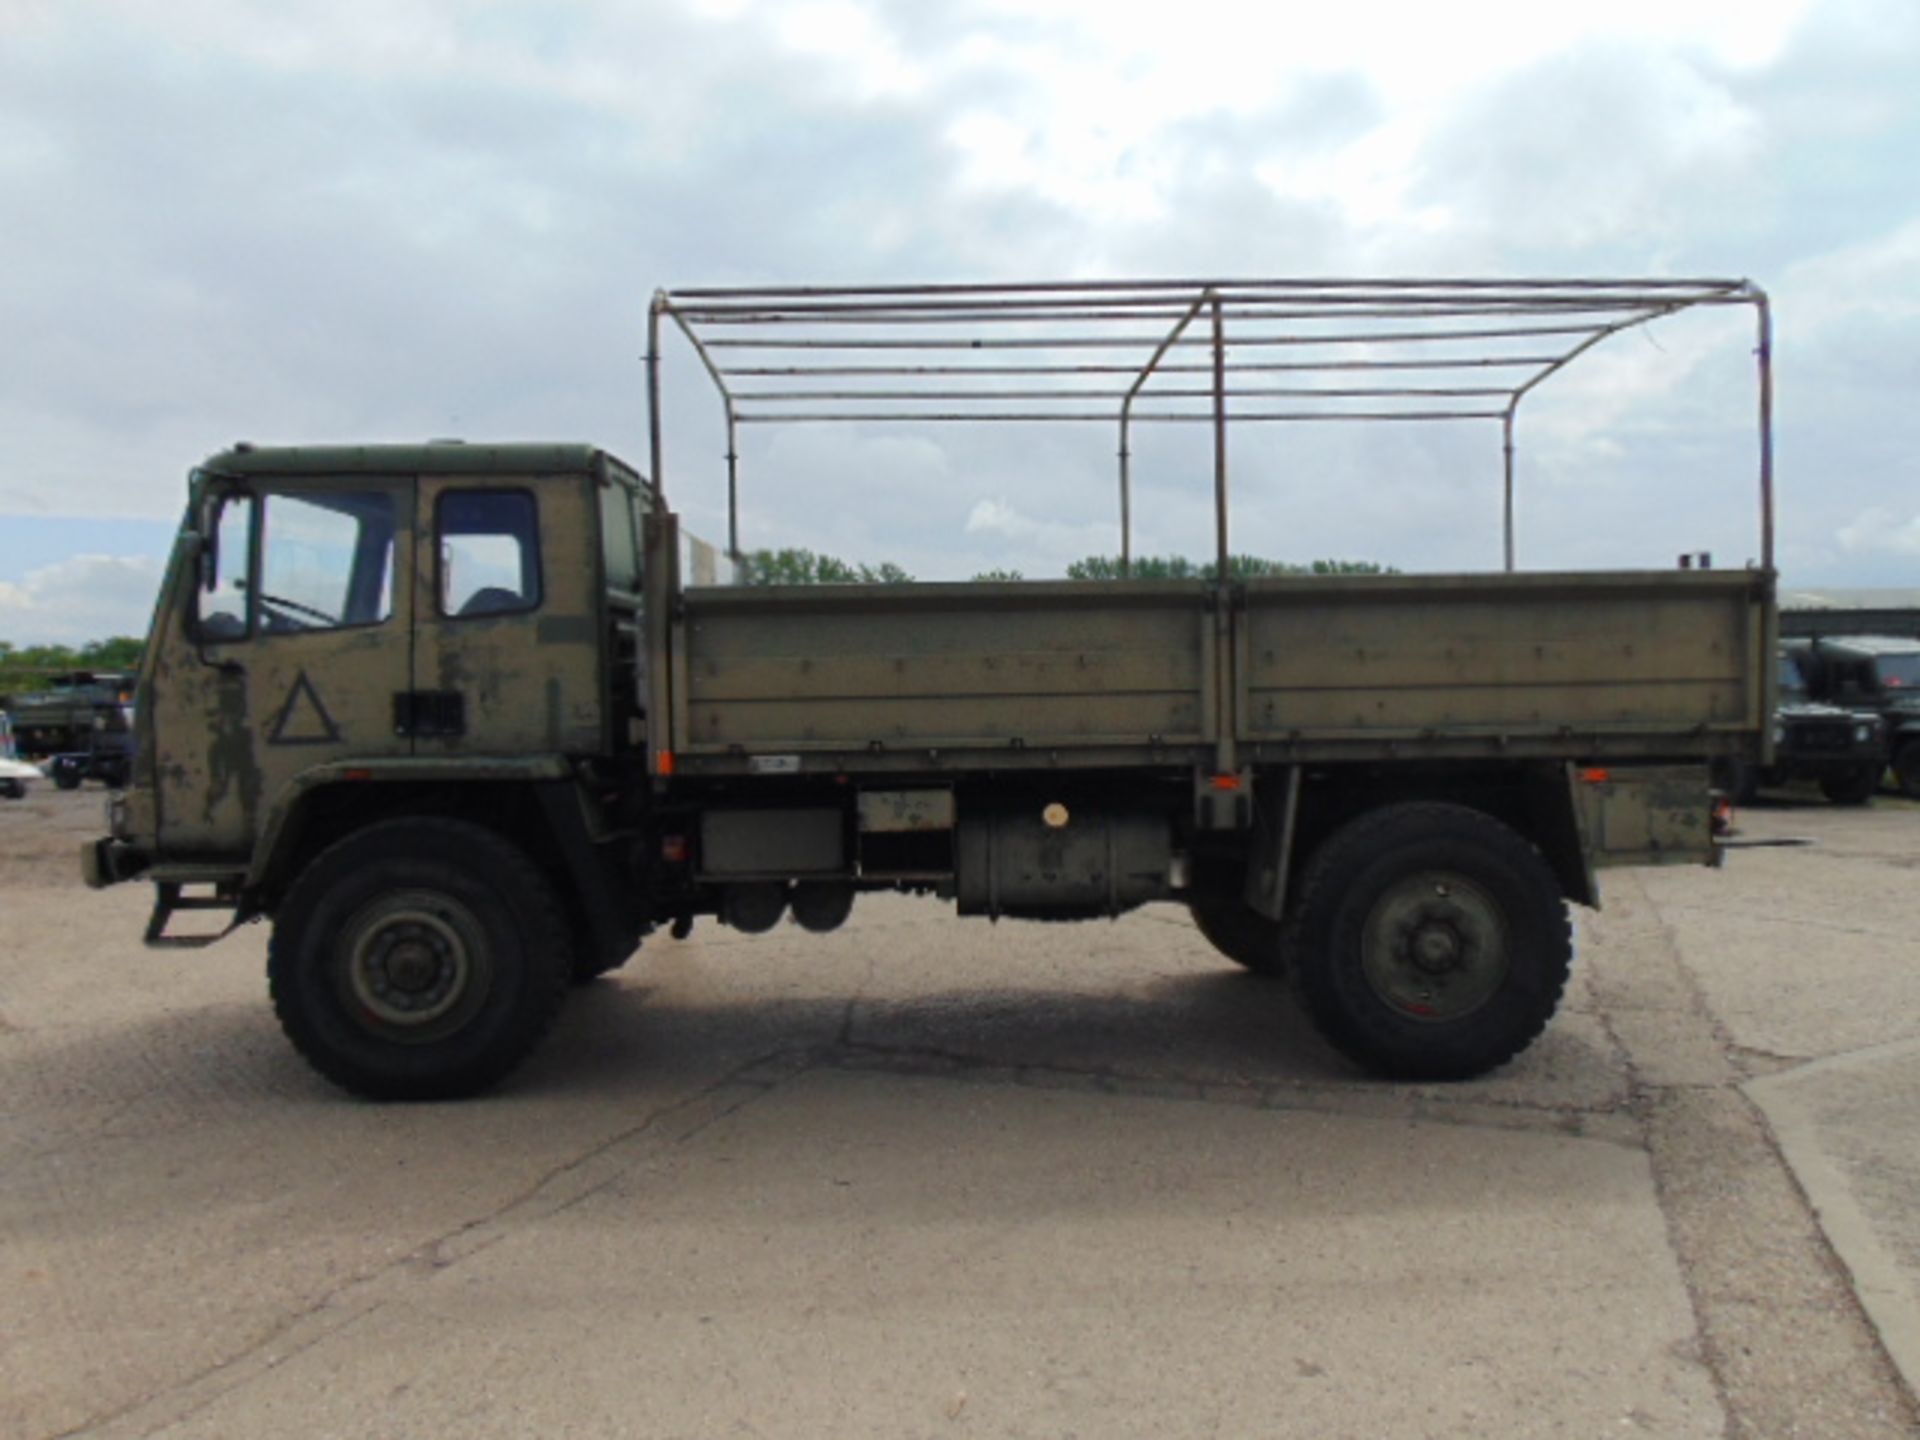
x=14 y=772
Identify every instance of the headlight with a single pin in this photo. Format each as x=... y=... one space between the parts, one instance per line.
x=1779 y=734
x=1862 y=734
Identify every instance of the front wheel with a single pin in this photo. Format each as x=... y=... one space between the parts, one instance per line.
x=418 y=959
x=1906 y=769
x=1431 y=942
x=1851 y=787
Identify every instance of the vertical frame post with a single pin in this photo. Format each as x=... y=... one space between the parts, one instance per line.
x=1506 y=445
x=733 y=485
x=1765 y=356
x=653 y=402
x=1220 y=436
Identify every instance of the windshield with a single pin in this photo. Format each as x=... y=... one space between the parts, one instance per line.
x=1787 y=678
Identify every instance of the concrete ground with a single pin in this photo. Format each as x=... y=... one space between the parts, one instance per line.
x=931 y=1177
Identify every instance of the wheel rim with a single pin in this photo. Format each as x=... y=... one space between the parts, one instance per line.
x=415 y=965
x=1435 y=946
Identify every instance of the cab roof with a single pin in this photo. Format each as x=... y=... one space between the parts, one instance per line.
x=1867 y=645
x=432 y=457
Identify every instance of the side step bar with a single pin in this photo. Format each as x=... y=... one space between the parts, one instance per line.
x=168 y=901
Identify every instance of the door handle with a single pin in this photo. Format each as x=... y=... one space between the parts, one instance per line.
x=429 y=714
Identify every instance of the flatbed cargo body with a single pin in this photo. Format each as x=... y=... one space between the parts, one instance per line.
x=871 y=680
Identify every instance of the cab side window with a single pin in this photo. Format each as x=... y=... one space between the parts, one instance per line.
x=489 y=548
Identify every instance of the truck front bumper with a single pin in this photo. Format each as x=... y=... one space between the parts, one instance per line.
x=108 y=861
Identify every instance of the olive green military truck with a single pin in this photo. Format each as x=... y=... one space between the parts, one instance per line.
x=455 y=720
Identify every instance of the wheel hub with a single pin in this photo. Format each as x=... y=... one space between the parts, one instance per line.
x=1434 y=947
x=409 y=967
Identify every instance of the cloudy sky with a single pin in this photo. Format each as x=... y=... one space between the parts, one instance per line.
x=375 y=220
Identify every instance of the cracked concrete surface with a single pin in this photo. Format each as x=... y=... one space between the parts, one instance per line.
x=930 y=1176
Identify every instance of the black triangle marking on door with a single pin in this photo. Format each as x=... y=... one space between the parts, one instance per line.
x=303 y=720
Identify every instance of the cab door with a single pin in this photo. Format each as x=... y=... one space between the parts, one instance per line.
x=292 y=655
x=507 y=579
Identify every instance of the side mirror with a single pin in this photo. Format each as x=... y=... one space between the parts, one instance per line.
x=207 y=541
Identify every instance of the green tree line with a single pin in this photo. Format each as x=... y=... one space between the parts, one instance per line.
x=805 y=567
x=1239 y=567
x=24 y=669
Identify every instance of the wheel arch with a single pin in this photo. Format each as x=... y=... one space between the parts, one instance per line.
x=536 y=806
x=1534 y=800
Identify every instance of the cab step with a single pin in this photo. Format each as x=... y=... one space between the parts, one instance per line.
x=169 y=899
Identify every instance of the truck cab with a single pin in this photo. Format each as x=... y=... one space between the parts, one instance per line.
x=350 y=627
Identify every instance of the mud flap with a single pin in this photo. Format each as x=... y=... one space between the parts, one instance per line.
x=1646 y=815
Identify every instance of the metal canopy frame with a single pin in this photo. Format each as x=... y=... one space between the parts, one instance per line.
x=1166 y=352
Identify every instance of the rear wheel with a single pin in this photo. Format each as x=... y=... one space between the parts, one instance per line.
x=1851 y=787
x=418 y=959
x=13 y=789
x=1431 y=942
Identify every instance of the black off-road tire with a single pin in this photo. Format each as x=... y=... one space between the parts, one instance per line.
x=1241 y=933
x=588 y=967
x=1394 y=898
x=1851 y=787
x=418 y=959
x=13 y=789
x=1906 y=769
x=66 y=777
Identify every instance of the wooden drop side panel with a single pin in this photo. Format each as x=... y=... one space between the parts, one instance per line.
x=1640 y=663
x=944 y=666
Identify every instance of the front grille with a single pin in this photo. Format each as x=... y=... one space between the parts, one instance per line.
x=1821 y=735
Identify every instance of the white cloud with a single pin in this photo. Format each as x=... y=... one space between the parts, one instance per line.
x=361 y=219
x=87 y=597
x=1880 y=531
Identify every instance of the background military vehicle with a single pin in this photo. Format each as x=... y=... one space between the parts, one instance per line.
x=1873 y=672
x=1843 y=751
x=65 y=717
x=448 y=716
